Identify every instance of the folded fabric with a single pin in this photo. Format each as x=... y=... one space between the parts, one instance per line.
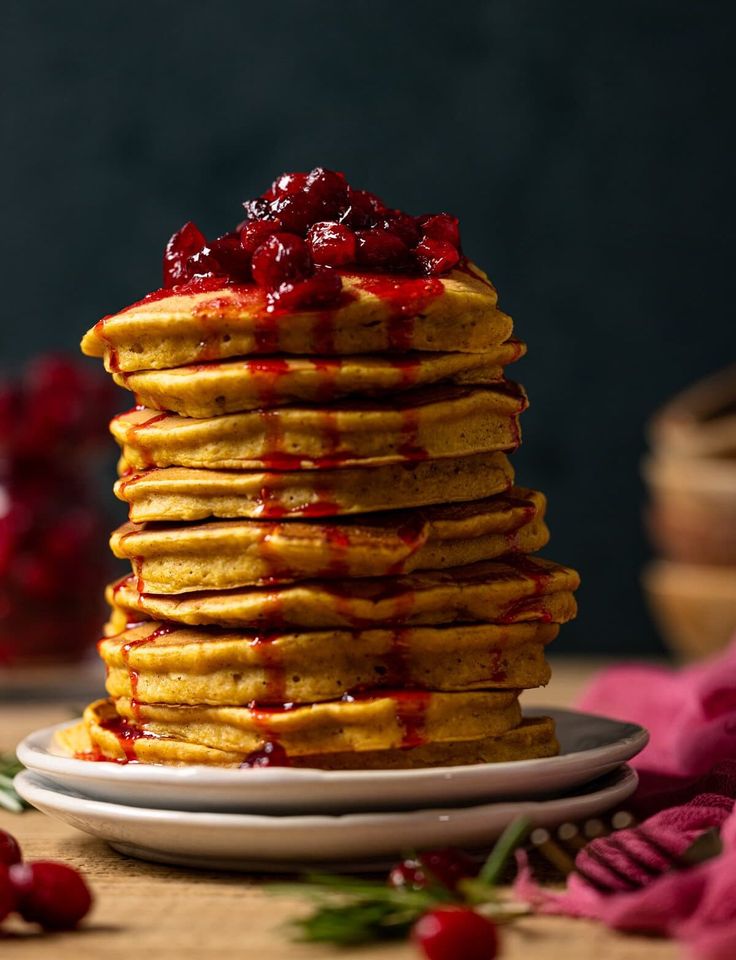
x=635 y=880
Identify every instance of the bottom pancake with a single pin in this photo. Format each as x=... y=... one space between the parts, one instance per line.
x=102 y=735
x=170 y=663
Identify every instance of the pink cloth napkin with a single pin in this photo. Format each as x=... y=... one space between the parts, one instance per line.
x=688 y=786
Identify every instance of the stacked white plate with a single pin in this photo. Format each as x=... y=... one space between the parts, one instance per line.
x=282 y=819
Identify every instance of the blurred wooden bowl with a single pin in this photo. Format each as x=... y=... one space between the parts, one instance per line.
x=692 y=512
x=693 y=605
x=700 y=421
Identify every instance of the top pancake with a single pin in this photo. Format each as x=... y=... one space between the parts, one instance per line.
x=379 y=313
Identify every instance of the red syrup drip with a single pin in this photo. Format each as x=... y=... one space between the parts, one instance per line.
x=270 y=657
x=112 y=351
x=411 y=713
x=274 y=457
x=497 y=673
x=133 y=675
x=338 y=544
x=406 y=298
x=126 y=734
x=133 y=437
x=521 y=563
x=396 y=660
x=409 y=447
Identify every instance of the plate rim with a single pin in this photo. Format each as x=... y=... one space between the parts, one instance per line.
x=38 y=758
x=624 y=774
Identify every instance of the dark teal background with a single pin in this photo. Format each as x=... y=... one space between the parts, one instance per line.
x=587 y=148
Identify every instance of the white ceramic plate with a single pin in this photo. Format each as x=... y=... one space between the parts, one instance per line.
x=237 y=841
x=590 y=747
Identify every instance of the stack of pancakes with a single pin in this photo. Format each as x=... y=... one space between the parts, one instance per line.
x=331 y=564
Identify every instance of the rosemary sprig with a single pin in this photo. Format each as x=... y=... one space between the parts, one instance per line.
x=9 y=799
x=351 y=911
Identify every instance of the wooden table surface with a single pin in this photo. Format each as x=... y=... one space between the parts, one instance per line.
x=161 y=913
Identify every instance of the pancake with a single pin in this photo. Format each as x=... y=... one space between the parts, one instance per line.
x=224 y=554
x=434 y=422
x=101 y=736
x=385 y=720
x=455 y=313
x=182 y=493
x=212 y=389
x=512 y=590
x=184 y=665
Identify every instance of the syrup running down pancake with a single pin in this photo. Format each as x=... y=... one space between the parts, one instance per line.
x=513 y=590
x=103 y=735
x=221 y=555
x=454 y=313
x=434 y=422
x=214 y=389
x=171 y=663
x=184 y=493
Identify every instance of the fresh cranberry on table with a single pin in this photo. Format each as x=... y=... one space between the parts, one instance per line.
x=447 y=866
x=50 y=894
x=456 y=933
x=9 y=849
x=7 y=893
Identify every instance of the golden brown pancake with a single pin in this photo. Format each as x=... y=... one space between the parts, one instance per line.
x=102 y=736
x=213 y=389
x=454 y=313
x=223 y=554
x=512 y=590
x=184 y=493
x=434 y=422
x=382 y=720
x=183 y=665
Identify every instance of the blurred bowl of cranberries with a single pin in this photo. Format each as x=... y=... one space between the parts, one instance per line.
x=302 y=233
x=53 y=561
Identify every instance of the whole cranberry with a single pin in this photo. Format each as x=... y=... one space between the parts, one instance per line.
x=328 y=193
x=9 y=849
x=403 y=225
x=321 y=290
x=282 y=258
x=436 y=256
x=50 y=894
x=332 y=244
x=254 y=232
x=231 y=258
x=447 y=866
x=364 y=209
x=456 y=933
x=380 y=249
x=441 y=226
x=7 y=893
x=185 y=243
x=287 y=185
